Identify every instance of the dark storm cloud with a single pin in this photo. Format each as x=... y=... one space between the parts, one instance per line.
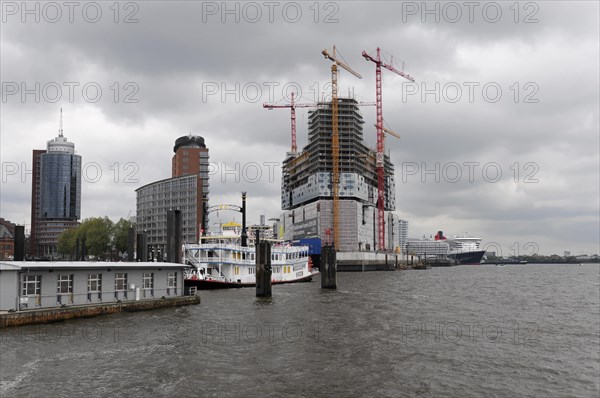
x=178 y=51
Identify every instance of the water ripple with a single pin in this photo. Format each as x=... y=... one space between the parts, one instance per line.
x=460 y=332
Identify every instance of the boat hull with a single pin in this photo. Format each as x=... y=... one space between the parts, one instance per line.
x=465 y=258
x=205 y=284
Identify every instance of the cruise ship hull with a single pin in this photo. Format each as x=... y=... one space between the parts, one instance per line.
x=463 y=258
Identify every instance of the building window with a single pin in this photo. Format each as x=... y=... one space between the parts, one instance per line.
x=94 y=285
x=32 y=287
x=64 y=289
x=120 y=284
x=148 y=284
x=172 y=283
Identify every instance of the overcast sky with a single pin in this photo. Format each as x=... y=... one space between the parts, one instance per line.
x=500 y=131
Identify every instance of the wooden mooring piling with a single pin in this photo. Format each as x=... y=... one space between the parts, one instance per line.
x=263 y=269
x=328 y=268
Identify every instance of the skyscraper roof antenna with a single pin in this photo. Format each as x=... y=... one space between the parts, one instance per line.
x=60 y=129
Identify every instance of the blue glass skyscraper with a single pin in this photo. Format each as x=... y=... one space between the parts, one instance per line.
x=59 y=182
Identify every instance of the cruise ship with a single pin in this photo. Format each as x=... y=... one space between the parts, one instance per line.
x=463 y=249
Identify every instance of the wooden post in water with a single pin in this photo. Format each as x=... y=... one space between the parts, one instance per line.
x=142 y=247
x=174 y=236
x=263 y=268
x=77 y=249
x=244 y=232
x=19 y=244
x=130 y=245
x=83 y=249
x=138 y=245
x=170 y=235
x=328 y=268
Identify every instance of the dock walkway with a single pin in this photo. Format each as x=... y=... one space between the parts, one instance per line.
x=57 y=314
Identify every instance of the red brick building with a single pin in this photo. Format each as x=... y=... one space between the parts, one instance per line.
x=7 y=239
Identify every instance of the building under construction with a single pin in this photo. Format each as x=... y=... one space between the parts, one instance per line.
x=306 y=194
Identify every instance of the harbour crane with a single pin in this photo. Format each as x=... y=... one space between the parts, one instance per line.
x=335 y=148
x=293 y=105
x=380 y=139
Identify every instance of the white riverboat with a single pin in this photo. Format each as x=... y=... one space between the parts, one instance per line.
x=222 y=262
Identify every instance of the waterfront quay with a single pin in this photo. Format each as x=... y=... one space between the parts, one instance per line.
x=367 y=261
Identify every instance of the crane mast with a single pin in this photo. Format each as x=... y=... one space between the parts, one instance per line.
x=292 y=105
x=293 y=112
x=380 y=140
x=335 y=140
x=335 y=160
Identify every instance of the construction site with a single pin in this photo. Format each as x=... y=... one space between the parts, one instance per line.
x=307 y=191
x=336 y=188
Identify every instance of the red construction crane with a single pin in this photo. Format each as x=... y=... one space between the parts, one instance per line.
x=292 y=105
x=380 y=139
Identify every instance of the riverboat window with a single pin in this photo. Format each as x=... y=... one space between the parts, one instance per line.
x=120 y=284
x=236 y=270
x=252 y=270
x=64 y=287
x=94 y=285
x=172 y=282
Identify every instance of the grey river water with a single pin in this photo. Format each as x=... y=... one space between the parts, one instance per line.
x=468 y=331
